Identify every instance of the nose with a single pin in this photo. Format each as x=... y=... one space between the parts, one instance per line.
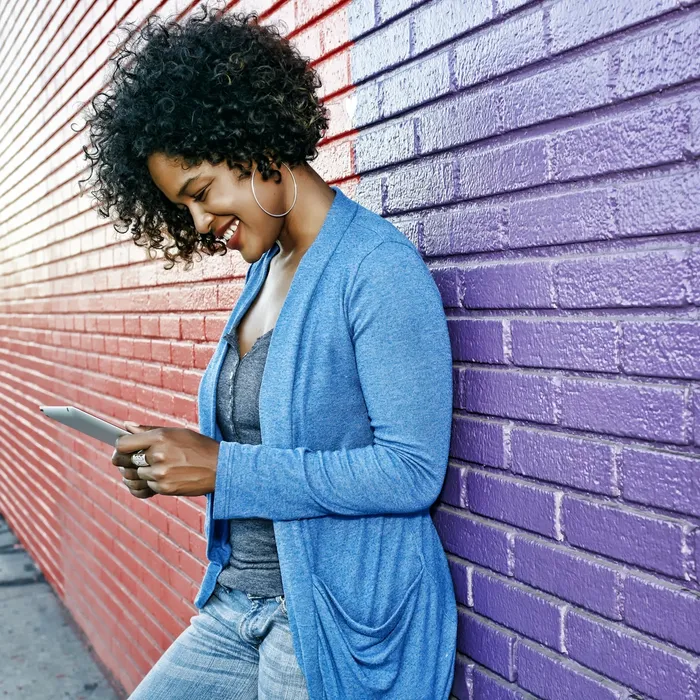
x=202 y=222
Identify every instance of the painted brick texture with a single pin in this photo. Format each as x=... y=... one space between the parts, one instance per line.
x=542 y=155
x=88 y=320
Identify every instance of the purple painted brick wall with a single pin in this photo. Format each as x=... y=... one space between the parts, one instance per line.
x=542 y=155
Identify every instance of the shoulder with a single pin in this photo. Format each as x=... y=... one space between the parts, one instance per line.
x=372 y=239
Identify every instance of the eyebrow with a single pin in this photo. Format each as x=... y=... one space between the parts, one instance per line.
x=188 y=182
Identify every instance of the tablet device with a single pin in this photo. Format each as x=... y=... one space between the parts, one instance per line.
x=85 y=422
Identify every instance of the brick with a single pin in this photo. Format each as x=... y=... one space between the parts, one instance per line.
x=388 y=143
x=569 y=574
x=694 y=140
x=214 y=327
x=661 y=349
x=650 y=541
x=573 y=23
x=332 y=30
x=391 y=8
x=552 y=677
x=660 y=479
x=361 y=17
x=585 y=215
x=659 y=205
x=630 y=658
x=556 y=91
x=669 y=52
x=476 y=228
x=475 y=539
x=694 y=265
x=477 y=340
x=182 y=354
x=369 y=193
x=307 y=10
x=462 y=681
x=366 y=104
x=308 y=42
x=696 y=419
x=489 y=686
x=284 y=18
x=500 y=48
x=385 y=48
x=573 y=461
x=415 y=83
x=446 y=281
x=503 y=168
x=441 y=20
x=341 y=111
x=635 y=139
x=462 y=229
x=426 y=182
x=169 y=327
x=647 y=411
x=461 y=578
x=507 y=285
x=507 y=394
x=486 y=643
x=192 y=328
x=517 y=502
x=454 y=488
x=455 y=121
x=669 y=612
x=505 y=6
x=653 y=278
x=335 y=157
x=589 y=345
x=519 y=608
x=478 y=440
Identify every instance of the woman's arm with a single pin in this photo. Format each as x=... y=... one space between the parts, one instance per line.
x=402 y=349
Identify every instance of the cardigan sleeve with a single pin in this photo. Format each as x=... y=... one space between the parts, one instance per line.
x=402 y=351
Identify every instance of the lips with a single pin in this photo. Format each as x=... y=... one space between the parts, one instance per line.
x=222 y=229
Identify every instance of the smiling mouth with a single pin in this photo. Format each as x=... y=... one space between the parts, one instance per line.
x=222 y=229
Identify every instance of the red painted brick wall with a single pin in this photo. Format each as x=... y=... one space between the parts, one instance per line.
x=88 y=320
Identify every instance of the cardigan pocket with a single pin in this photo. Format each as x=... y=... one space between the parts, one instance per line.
x=375 y=652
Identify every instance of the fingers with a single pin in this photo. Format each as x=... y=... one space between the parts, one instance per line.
x=142 y=493
x=136 y=484
x=122 y=459
x=138 y=487
x=129 y=472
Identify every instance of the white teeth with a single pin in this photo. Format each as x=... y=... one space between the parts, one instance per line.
x=230 y=231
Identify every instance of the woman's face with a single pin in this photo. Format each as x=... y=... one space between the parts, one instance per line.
x=214 y=196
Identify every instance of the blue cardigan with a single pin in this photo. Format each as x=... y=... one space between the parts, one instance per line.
x=355 y=419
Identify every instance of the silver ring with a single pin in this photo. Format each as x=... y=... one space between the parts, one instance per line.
x=139 y=459
x=252 y=179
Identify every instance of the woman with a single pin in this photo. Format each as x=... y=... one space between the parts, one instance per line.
x=326 y=577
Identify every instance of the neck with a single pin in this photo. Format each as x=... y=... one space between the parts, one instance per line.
x=304 y=221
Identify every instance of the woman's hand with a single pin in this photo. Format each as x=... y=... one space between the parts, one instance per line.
x=181 y=462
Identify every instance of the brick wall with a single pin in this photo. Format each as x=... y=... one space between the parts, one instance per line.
x=543 y=158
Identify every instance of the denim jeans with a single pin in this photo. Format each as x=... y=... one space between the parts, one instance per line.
x=238 y=647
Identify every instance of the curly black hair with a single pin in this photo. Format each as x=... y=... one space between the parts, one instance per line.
x=218 y=86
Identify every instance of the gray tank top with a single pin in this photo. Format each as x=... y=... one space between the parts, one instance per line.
x=253 y=566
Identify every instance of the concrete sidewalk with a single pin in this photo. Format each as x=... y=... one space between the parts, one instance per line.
x=43 y=653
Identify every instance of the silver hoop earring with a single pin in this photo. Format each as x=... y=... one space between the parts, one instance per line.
x=256 y=197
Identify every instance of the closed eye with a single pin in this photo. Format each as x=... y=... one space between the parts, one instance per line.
x=199 y=197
